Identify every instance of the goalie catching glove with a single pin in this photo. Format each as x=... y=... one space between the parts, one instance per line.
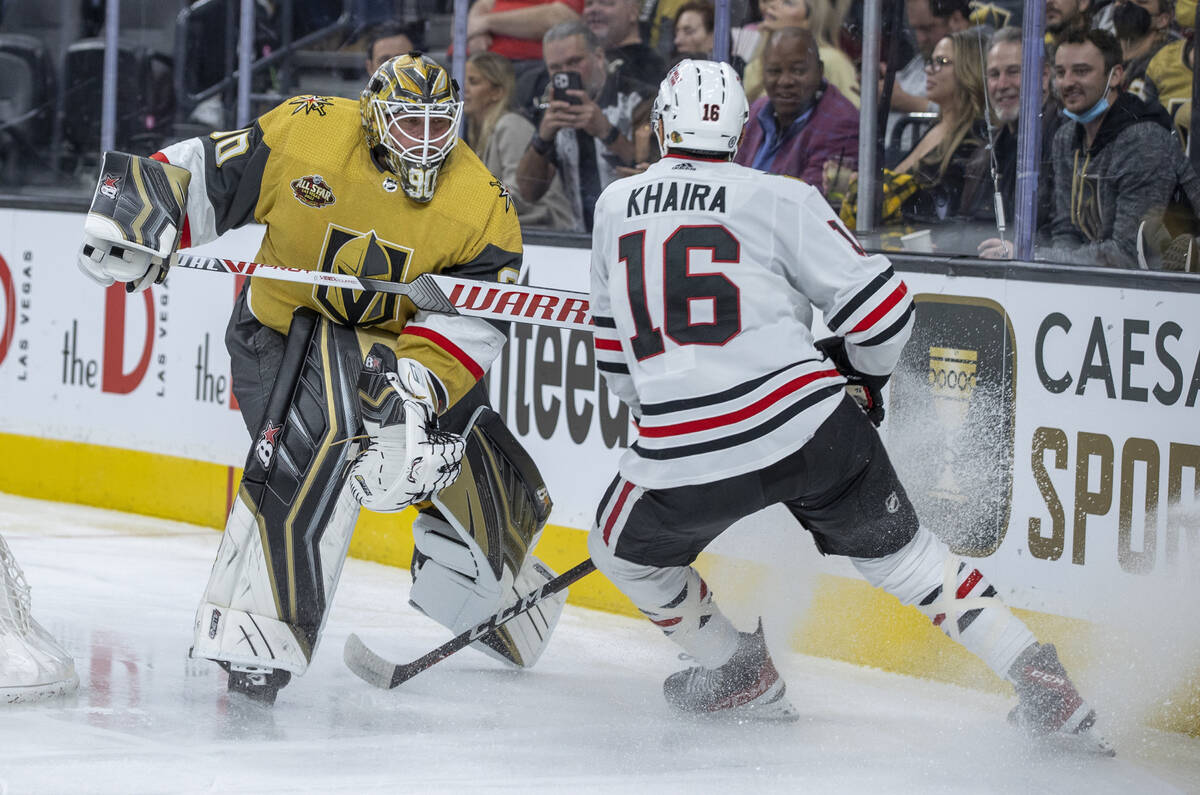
x=407 y=459
x=134 y=222
x=867 y=390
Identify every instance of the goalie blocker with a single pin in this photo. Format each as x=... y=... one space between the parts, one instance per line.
x=135 y=220
x=288 y=534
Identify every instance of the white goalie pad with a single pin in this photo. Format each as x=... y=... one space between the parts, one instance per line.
x=474 y=556
x=238 y=622
x=242 y=638
x=451 y=587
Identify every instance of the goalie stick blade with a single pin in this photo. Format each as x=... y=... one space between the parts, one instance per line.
x=369 y=666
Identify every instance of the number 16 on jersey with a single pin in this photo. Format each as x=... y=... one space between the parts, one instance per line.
x=698 y=308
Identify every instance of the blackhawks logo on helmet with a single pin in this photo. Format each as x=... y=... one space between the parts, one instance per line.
x=411 y=113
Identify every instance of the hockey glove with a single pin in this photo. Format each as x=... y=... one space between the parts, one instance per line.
x=407 y=459
x=867 y=390
x=134 y=222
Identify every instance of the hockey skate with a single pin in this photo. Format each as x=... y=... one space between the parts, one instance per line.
x=255 y=683
x=746 y=688
x=1049 y=708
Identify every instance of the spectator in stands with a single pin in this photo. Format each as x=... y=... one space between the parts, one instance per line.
x=645 y=148
x=1169 y=73
x=1143 y=27
x=499 y=135
x=1064 y=16
x=930 y=21
x=927 y=185
x=1111 y=160
x=391 y=39
x=694 y=22
x=615 y=23
x=660 y=18
x=693 y=25
x=1003 y=76
x=954 y=80
x=803 y=122
x=586 y=138
x=824 y=20
x=514 y=28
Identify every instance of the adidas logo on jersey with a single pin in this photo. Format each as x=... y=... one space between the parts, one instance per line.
x=683 y=167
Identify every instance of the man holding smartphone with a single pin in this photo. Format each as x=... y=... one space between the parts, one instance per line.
x=585 y=131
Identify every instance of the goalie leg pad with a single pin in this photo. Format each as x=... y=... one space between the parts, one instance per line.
x=955 y=595
x=289 y=531
x=239 y=637
x=459 y=603
x=473 y=556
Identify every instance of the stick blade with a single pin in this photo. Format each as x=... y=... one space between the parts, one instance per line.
x=367 y=665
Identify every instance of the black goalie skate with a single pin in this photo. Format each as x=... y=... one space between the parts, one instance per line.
x=1049 y=708
x=746 y=687
x=258 y=684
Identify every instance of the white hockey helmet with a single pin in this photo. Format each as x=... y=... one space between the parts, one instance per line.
x=700 y=107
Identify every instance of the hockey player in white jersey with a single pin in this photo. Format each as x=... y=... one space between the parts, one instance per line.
x=704 y=279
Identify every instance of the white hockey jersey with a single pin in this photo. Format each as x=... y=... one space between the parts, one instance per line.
x=704 y=278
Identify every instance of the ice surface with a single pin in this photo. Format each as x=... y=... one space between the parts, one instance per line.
x=119 y=591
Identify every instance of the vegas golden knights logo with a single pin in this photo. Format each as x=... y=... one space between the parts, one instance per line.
x=360 y=254
x=950 y=422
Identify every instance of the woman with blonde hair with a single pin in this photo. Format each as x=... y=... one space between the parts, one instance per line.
x=499 y=135
x=954 y=80
x=930 y=183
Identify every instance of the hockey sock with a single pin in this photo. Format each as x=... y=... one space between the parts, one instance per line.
x=956 y=597
x=679 y=602
x=691 y=619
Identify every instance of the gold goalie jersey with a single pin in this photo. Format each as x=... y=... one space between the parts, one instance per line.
x=304 y=170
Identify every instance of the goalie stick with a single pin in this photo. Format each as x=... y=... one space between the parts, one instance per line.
x=373 y=669
x=432 y=292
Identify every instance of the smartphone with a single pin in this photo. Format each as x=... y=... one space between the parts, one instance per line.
x=562 y=82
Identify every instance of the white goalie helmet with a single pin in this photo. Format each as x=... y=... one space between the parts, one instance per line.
x=701 y=107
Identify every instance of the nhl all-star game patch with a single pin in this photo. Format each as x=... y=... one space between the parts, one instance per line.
x=313 y=191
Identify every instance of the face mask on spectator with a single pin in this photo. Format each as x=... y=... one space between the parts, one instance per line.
x=1130 y=21
x=1093 y=113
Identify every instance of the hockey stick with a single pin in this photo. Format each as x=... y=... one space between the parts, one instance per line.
x=433 y=292
x=375 y=670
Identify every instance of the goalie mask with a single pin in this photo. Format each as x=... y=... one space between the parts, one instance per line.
x=411 y=113
x=701 y=107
